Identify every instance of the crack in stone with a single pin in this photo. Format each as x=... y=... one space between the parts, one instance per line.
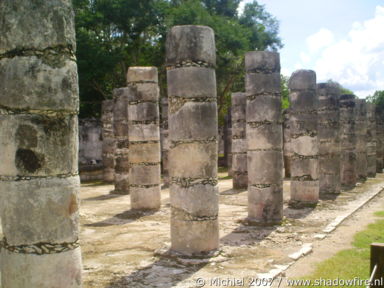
x=295 y=156
x=185 y=216
x=257 y=124
x=270 y=94
x=306 y=133
x=22 y=178
x=262 y=70
x=189 y=182
x=143 y=186
x=266 y=150
x=136 y=102
x=40 y=248
x=143 y=122
x=303 y=112
x=133 y=83
x=176 y=102
x=144 y=142
x=4 y=110
x=303 y=178
x=234 y=137
x=190 y=63
x=59 y=50
x=145 y=164
x=261 y=185
x=175 y=143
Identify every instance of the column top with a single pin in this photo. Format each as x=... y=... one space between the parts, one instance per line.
x=262 y=61
x=142 y=74
x=191 y=43
x=302 y=80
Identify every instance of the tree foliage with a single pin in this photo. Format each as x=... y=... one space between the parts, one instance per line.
x=115 y=34
x=378 y=99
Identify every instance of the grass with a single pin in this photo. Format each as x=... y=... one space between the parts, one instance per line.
x=350 y=263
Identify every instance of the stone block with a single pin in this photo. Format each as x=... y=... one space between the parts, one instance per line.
x=239 y=162
x=264 y=61
x=305 y=146
x=139 y=132
x=194 y=237
x=142 y=74
x=265 y=205
x=306 y=192
x=305 y=168
x=266 y=136
x=260 y=83
x=271 y=107
x=193 y=160
x=265 y=167
x=190 y=43
x=143 y=112
x=33 y=145
x=21 y=31
x=144 y=175
x=303 y=100
x=302 y=80
x=52 y=204
x=192 y=82
x=145 y=198
x=144 y=153
x=43 y=271
x=193 y=121
x=197 y=200
x=239 y=145
x=33 y=83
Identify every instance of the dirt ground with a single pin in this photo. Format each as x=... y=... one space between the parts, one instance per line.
x=122 y=248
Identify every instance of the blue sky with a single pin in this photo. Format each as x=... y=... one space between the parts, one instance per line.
x=342 y=40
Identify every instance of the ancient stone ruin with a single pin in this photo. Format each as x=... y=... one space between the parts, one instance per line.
x=144 y=138
x=190 y=60
x=39 y=145
x=264 y=138
x=108 y=148
x=304 y=140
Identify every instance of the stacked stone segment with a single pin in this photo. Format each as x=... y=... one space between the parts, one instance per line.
x=264 y=133
x=304 y=139
x=39 y=182
x=371 y=140
x=287 y=147
x=193 y=139
x=108 y=149
x=144 y=138
x=164 y=139
x=361 y=139
x=120 y=133
x=379 y=140
x=239 y=141
x=348 y=165
x=329 y=138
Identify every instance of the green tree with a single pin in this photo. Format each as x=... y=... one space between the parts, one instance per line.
x=378 y=99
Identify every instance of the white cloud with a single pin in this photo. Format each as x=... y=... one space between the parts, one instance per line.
x=357 y=61
x=319 y=40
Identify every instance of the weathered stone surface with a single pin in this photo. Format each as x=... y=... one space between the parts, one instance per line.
x=265 y=136
x=258 y=83
x=194 y=237
x=35 y=145
x=145 y=198
x=198 y=200
x=145 y=111
x=239 y=146
x=21 y=31
x=109 y=144
x=148 y=153
x=269 y=105
x=142 y=75
x=139 y=132
x=181 y=126
x=193 y=135
x=121 y=183
x=25 y=83
x=264 y=133
x=52 y=204
x=361 y=139
x=265 y=205
x=200 y=159
x=145 y=92
x=348 y=169
x=379 y=140
x=41 y=271
x=192 y=82
x=304 y=141
x=262 y=61
x=262 y=167
x=144 y=175
x=287 y=147
x=190 y=43
x=240 y=162
x=371 y=140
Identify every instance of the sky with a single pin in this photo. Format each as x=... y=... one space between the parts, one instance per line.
x=342 y=40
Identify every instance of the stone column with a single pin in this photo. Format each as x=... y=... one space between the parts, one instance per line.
x=144 y=138
x=239 y=141
x=191 y=58
x=228 y=142
x=264 y=138
x=371 y=140
x=379 y=141
x=329 y=138
x=361 y=139
x=120 y=128
x=108 y=141
x=164 y=139
x=348 y=172
x=287 y=149
x=304 y=140
x=39 y=182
